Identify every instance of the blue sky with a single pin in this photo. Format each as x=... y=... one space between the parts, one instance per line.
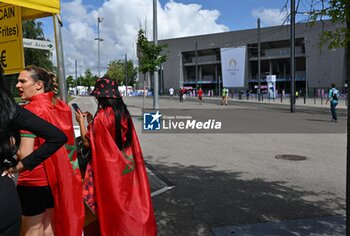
x=235 y=14
x=176 y=18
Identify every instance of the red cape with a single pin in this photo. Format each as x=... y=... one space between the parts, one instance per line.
x=62 y=168
x=120 y=191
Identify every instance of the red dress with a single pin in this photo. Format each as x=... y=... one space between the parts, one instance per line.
x=116 y=184
x=62 y=170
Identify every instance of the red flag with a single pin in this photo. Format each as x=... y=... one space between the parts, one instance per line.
x=121 y=191
x=62 y=168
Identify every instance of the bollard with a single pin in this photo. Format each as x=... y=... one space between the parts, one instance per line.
x=314 y=95
x=346 y=100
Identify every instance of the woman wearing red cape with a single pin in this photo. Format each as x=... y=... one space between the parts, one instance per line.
x=116 y=185
x=51 y=193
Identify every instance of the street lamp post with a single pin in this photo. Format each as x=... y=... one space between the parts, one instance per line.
x=99 y=20
x=126 y=74
x=155 y=73
x=196 y=62
x=259 y=60
x=292 y=56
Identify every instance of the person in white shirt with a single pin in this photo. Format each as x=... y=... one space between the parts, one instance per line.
x=171 y=93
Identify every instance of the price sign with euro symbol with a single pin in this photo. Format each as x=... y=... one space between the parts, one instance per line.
x=3 y=59
x=11 y=43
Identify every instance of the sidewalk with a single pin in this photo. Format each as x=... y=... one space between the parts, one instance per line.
x=135 y=104
x=232 y=184
x=309 y=102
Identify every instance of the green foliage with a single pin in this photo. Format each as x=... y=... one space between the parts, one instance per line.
x=42 y=58
x=150 y=55
x=338 y=11
x=79 y=80
x=70 y=81
x=89 y=79
x=116 y=70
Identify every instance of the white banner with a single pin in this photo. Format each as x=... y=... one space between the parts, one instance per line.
x=271 y=84
x=233 y=63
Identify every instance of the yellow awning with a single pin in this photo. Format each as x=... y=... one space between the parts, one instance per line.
x=36 y=8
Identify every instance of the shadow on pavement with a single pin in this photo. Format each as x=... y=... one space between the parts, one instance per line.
x=327 y=121
x=333 y=225
x=205 y=198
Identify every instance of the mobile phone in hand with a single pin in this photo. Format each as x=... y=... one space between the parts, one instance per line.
x=76 y=107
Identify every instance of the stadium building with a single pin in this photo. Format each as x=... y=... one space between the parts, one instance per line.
x=316 y=66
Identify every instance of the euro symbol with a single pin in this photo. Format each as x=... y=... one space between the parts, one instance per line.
x=3 y=59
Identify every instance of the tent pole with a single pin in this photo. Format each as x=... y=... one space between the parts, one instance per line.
x=60 y=61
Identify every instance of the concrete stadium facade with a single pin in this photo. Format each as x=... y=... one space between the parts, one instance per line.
x=316 y=67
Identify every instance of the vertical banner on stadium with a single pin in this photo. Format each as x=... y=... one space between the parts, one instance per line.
x=233 y=65
x=271 y=85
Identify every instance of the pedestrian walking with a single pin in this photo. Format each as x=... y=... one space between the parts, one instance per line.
x=116 y=186
x=333 y=97
x=247 y=94
x=200 y=95
x=171 y=93
x=13 y=119
x=224 y=96
x=182 y=92
x=55 y=184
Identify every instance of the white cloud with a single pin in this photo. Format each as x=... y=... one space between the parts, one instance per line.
x=270 y=17
x=122 y=20
x=179 y=20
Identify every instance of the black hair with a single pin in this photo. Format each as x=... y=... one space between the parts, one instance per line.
x=9 y=135
x=120 y=112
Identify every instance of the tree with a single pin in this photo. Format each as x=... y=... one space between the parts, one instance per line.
x=70 y=81
x=116 y=70
x=79 y=80
x=150 y=55
x=42 y=58
x=338 y=11
x=89 y=79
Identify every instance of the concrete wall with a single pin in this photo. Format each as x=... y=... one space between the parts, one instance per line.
x=323 y=65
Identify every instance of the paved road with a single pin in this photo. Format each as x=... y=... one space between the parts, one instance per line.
x=226 y=181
